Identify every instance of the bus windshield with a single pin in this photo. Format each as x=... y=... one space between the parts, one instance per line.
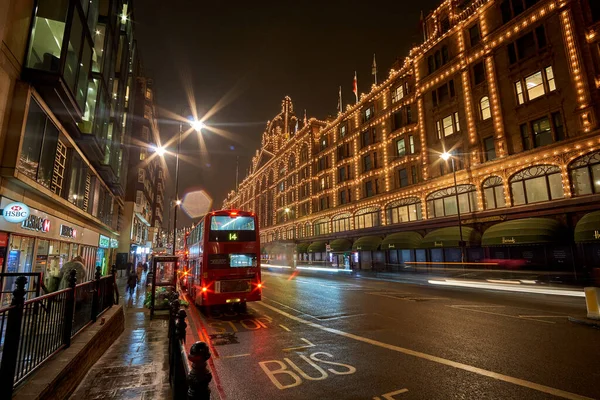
x=225 y=228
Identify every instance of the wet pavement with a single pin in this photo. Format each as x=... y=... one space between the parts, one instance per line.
x=136 y=366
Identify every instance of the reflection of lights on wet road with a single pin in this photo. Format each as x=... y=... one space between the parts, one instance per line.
x=507 y=287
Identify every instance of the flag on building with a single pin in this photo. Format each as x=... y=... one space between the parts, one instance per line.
x=355 y=87
x=374 y=69
x=340 y=104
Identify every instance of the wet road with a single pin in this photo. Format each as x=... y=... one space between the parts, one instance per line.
x=339 y=337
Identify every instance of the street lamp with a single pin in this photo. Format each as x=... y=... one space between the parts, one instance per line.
x=448 y=156
x=196 y=125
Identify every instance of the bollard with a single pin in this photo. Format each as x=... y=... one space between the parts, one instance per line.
x=199 y=376
x=175 y=306
x=592 y=301
x=180 y=326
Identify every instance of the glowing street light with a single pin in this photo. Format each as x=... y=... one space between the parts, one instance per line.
x=197 y=125
x=178 y=202
x=447 y=156
x=160 y=151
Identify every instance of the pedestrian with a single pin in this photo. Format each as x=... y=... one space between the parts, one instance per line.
x=146 y=267
x=129 y=268
x=132 y=281
x=139 y=270
x=77 y=264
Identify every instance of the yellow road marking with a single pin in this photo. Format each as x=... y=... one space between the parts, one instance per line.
x=285 y=327
x=480 y=371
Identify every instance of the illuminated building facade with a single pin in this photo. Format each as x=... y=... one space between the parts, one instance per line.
x=510 y=88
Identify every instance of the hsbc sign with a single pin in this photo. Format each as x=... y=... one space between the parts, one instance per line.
x=35 y=223
x=16 y=212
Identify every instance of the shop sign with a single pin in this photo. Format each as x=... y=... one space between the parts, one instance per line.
x=15 y=212
x=391 y=246
x=114 y=243
x=35 y=223
x=68 y=232
x=596 y=235
x=104 y=242
x=438 y=244
x=511 y=240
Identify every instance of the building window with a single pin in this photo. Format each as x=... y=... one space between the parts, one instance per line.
x=368 y=113
x=304 y=154
x=489 y=148
x=484 y=108
x=443 y=202
x=414 y=174
x=537 y=84
x=535 y=184
x=398 y=93
x=369 y=137
x=402 y=177
x=527 y=45
x=478 y=73
x=448 y=125
x=370 y=162
x=343 y=130
x=38 y=150
x=595 y=9
x=321 y=227
x=542 y=132
x=141 y=175
x=411 y=144
x=443 y=93
x=404 y=210
x=371 y=188
x=345 y=196
x=474 y=35
x=341 y=223
x=438 y=59
x=324 y=143
x=79 y=180
x=323 y=203
x=493 y=193
x=585 y=174
x=400 y=148
x=367 y=218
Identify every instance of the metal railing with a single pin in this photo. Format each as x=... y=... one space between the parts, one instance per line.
x=32 y=331
x=33 y=287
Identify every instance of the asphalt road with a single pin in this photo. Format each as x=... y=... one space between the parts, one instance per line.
x=322 y=336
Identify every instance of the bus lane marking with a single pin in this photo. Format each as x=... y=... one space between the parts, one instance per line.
x=285 y=328
x=465 y=367
x=308 y=344
x=285 y=378
x=390 y=395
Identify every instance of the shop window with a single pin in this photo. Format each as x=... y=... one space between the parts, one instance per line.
x=443 y=202
x=493 y=193
x=585 y=174
x=536 y=184
x=321 y=227
x=341 y=223
x=404 y=210
x=19 y=259
x=367 y=218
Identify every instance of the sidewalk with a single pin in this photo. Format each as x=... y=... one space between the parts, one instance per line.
x=136 y=366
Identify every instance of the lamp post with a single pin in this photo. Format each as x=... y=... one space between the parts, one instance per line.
x=447 y=156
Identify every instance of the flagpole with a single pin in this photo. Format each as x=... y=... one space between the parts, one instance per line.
x=355 y=88
x=340 y=104
x=374 y=69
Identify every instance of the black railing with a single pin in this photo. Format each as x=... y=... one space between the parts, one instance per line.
x=33 y=288
x=32 y=331
x=188 y=372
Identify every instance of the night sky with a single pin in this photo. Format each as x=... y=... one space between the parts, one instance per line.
x=252 y=54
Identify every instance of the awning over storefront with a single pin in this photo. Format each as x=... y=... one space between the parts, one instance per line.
x=302 y=248
x=340 y=245
x=317 y=247
x=401 y=241
x=522 y=231
x=588 y=228
x=366 y=243
x=450 y=237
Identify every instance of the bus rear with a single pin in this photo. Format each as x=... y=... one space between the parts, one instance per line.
x=231 y=259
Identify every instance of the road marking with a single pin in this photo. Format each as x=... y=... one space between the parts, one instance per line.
x=309 y=344
x=285 y=327
x=543 y=316
x=469 y=308
x=236 y=356
x=407 y=296
x=436 y=359
x=291 y=308
x=388 y=396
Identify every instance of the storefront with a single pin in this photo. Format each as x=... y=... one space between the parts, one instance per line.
x=401 y=248
x=34 y=241
x=366 y=247
x=444 y=245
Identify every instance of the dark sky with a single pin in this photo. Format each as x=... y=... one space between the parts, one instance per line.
x=259 y=52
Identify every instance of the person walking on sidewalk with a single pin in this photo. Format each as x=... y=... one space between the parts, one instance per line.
x=132 y=281
x=139 y=271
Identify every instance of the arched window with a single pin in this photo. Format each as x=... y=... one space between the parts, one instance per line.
x=291 y=233
x=341 y=223
x=321 y=227
x=443 y=202
x=281 y=170
x=300 y=231
x=535 y=184
x=367 y=218
x=292 y=163
x=493 y=193
x=484 y=108
x=307 y=229
x=585 y=174
x=404 y=210
x=304 y=154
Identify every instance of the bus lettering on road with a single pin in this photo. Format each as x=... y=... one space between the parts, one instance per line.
x=286 y=378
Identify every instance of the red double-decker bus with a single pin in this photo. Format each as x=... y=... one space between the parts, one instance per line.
x=224 y=259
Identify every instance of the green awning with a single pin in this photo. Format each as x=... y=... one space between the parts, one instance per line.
x=450 y=237
x=340 y=245
x=302 y=247
x=523 y=231
x=317 y=247
x=401 y=240
x=588 y=228
x=366 y=243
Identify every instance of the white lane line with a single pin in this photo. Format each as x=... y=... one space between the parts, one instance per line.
x=500 y=314
x=507 y=288
x=543 y=316
x=236 y=356
x=439 y=360
x=285 y=327
x=308 y=344
x=291 y=308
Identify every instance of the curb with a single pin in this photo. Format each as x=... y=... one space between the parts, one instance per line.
x=585 y=321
